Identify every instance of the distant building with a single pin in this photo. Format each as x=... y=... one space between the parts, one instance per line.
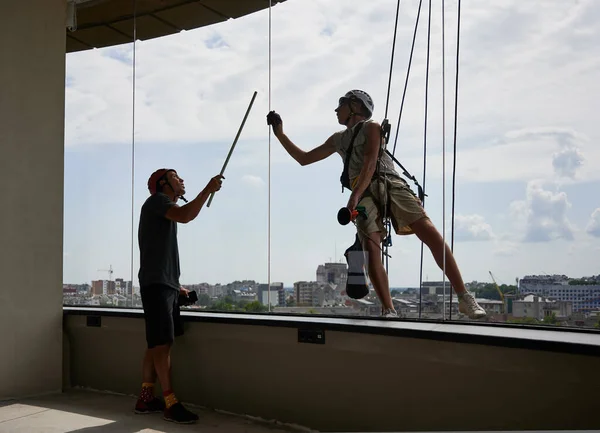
x=436 y=288
x=280 y=293
x=324 y=294
x=334 y=273
x=216 y=291
x=200 y=289
x=123 y=287
x=240 y=285
x=491 y=306
x=304 y=292
x=76 y=289
x=406 y=307
x=583 y=297
x=69 y=291
x=103 y=287
x=243 y=295
x=275 y=296
x=537 y=307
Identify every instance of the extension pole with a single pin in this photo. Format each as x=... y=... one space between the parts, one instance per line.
x=233 y=145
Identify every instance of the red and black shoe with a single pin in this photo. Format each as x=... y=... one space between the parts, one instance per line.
x=153 y=406
x=179 y=414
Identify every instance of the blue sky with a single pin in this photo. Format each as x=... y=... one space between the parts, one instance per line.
x=527 y=177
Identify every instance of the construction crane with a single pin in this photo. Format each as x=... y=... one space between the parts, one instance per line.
x=498 y=289
x=110 y=272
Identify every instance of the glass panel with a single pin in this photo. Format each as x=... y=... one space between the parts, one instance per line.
x=98 y=160
x=193 y=91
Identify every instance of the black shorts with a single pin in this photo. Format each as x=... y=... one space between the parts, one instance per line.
x=161 y=314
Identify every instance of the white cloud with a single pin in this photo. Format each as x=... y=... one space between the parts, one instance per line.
x=193 y=86
x=567 y=161
x=544 y=213
x=255 y=181
x=520 y=155
x=593 y=227
x=472 y=228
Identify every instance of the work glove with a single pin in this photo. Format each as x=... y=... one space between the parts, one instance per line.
x=274 y=119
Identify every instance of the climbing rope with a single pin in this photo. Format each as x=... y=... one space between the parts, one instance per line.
x=407 y=75
x=455 y=123
x=387 y=101
x=444 y=156
x=133 y=139
x=385 y=131
x=422 y=195
x=269 y=181
x=386 y=221
x=425 y=141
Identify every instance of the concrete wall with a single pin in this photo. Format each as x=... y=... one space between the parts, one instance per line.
x=353 y=382
x=32 y=94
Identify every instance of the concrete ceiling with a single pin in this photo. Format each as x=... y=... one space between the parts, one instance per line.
x=102 y=23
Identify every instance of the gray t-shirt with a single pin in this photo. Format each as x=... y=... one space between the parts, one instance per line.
x=342 y=142
x=157 y=238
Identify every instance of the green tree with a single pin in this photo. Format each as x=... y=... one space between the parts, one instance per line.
x=204 y=300
x=578 y=283
x=551 y=319
x=489 y=291
x=222 y=305
x=241 y=305
x=255 y=307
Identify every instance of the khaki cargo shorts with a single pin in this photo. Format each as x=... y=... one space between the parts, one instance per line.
x=403 y=207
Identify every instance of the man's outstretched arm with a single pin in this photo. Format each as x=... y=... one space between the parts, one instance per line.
x=302 y=157
x=189 y=211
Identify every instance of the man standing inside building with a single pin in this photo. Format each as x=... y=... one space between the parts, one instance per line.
x=159 y=285
x=376 y=186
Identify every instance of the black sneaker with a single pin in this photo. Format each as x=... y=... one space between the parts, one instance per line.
x=152 y=406
x=179 y=414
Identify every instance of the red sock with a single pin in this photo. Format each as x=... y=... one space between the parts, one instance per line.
x=170 y=398
x=147 y=393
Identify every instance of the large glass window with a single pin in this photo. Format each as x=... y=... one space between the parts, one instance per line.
x=98 y=165
x=517 y=208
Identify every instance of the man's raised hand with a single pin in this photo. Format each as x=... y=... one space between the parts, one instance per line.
x=274 y=119
x=215 y=183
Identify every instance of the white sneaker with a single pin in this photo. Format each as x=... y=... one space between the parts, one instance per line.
x=389 y=313
x=468 y=305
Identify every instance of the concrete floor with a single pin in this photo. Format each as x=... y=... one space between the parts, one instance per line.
x=88 y=411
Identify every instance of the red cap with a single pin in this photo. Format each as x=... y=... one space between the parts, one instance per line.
x=155 y=177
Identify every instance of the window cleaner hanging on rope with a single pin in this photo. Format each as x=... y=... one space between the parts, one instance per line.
x=378 y=192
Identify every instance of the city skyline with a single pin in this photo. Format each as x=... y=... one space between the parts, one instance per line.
x=288 y=285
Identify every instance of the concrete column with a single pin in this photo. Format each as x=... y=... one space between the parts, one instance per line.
x=32 y=95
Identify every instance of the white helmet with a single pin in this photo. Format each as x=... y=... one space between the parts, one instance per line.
x=363 y=97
